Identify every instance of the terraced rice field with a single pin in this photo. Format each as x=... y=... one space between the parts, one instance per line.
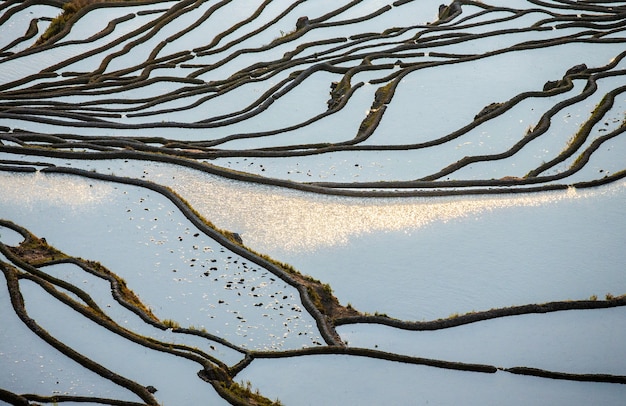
x=312 y=202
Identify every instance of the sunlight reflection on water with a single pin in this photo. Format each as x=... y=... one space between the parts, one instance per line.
x=271 y=219
x=284 y=221
x=38 y=188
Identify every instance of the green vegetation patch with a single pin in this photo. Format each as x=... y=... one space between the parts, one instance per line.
x=36 y=251
x=244 y=393
x=70 y=9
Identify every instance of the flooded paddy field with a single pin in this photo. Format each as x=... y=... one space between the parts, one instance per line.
x=299 y=203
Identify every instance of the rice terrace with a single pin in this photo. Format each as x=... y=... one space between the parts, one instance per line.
x=313 y=202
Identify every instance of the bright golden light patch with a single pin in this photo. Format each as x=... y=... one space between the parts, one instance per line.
x=278 y=219
x=57 y=190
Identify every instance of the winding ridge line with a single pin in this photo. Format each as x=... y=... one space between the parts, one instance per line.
x=17 y=302
x=474 y=317
x=326 y=329
x=148 y=87
x=376 y=189
x=607 y=378
x=365 y=352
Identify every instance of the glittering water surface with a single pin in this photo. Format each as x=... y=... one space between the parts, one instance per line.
x=319 y=202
